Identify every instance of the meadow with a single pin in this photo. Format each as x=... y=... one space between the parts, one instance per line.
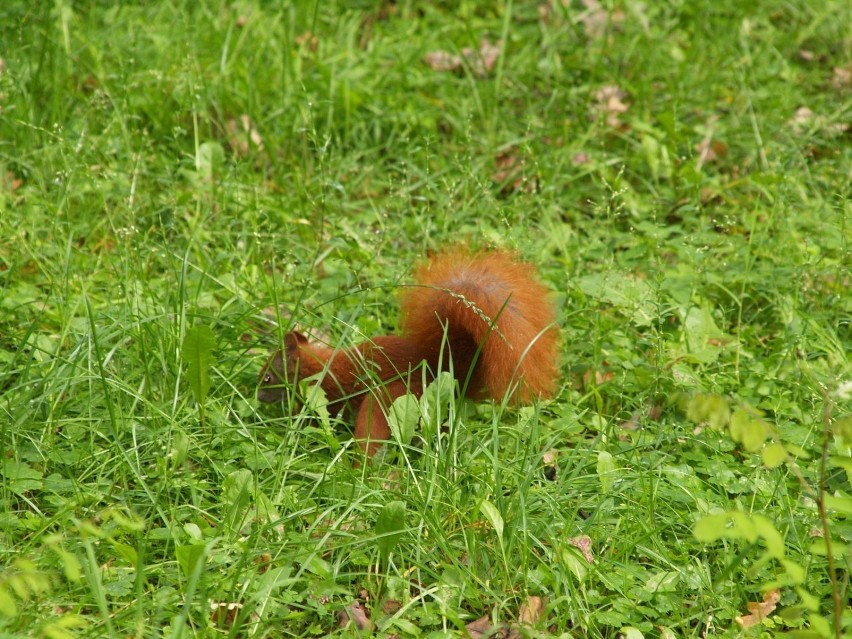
x=183 y=182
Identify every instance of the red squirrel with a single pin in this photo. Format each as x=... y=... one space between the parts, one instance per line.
x=482 y=311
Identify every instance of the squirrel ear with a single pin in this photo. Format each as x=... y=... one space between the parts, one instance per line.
x=293 y=339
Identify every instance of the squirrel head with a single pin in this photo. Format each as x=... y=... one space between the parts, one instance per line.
x=280 y=370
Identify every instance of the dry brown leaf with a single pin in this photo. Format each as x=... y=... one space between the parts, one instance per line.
x=391 y=606
x=550 y=467
x=596 y=21
x=242 y=135
x=759 y=610
x=478 y=628
x=710 y=150
x=801 y=119
x=442 y=61
x=632 y=423
x=841 y=77
x=530 y=612
x=579 y=159
x=308 y=41
x=481 y=60
x=224 y=614
x=806 y=55
x=599 y=377
x=584 y=543
x=11 y=183
x=357 y=614
x=610 y=101
x=510 y=173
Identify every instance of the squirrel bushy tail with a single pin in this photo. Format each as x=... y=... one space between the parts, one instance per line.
x=485 y=315
x=496 y=316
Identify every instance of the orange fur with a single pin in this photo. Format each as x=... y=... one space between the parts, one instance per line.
x=485 y=316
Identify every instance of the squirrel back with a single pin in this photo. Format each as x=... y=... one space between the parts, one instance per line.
x=498 y=318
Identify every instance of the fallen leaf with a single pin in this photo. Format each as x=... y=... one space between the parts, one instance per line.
x=710 y=150
x=759 y=610
x=224 y=614
x=242 y=135
x=801 y=119
x=806 y=55
x=307 y=41
x=584 y=544
x=531 y=610
x=481 y=60
x=442 y=61
x=263 y=562
x=841 y=77
x=599 y=377
x=11 y=183
x=510 y=173
x=391 y=606
x=486 y=58
x=482 y=628
x=357 y=614
x=478 y=628
x=597 y=21
x=632 y=423
x=610 y=101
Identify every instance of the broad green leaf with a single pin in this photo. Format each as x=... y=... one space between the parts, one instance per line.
x=665 y=581
x=629 y=632
x=236 y=485
x=748 y=430
x=493 y=516
x=702 y=335
x=316 y=400
x=572 y=559
x=126 y=552
x=630 y=294
x=773 y=539
x=7 y=602
x=188 y=557
x=403 y=417
x=843 y=428
x=197 y=352
x=711 y=408
x=795 y=571
x=436 y=401
x=840 y=504
x=666 y=632
x=773 y=455
x=810 y=601
x=19 y=476
x=390 y=526
x=209 y=158
x=606 y=471
x=820 y=548
x=821 y=625
x=70 y=564
x=710 y=528
x=237 y=489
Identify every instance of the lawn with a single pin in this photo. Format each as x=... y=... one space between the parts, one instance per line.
x=182 y=182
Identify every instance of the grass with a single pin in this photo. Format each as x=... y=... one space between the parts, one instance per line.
x=693 y=220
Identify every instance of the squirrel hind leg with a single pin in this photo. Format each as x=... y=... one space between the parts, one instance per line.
x=372 y=429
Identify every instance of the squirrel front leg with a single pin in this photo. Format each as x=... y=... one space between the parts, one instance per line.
x=371 y=422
